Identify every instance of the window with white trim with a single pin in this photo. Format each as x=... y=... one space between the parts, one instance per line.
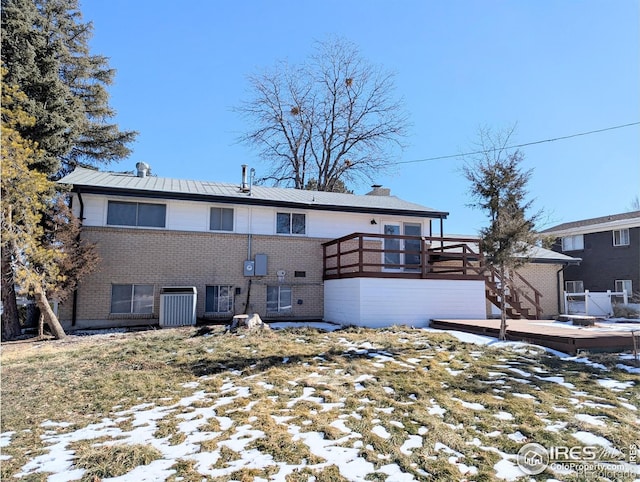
x=621 y=237
x=132 y=299
x=219 y=299
x=291 y=223
x=624 y=284
x=121 y=213
x=574 y=286
x=221 y=219
x=278 y=299
x=573 y=243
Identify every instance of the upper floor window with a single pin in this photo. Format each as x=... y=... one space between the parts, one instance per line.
x=132 y=299
x=291 y=223
x=621 y=237
x=573 y=243
x=574 y=286
x=120 y=213
x=219 y=299
x=221 y=219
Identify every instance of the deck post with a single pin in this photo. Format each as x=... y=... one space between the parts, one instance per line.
x=423 y=257
x=360 y=253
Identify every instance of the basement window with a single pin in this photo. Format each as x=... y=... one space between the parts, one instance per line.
x=131 y=299
x=219 y=299
x=624 y=285
x=574 y=286
x=278 y=299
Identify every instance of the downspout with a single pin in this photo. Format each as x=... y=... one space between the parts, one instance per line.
x=560 y=289
x=249 y=253
x=74 y=309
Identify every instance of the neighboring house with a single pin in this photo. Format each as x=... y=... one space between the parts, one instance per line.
x=609 y=247
x=370 y=260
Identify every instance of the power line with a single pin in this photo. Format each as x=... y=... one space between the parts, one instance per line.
x=451 y=156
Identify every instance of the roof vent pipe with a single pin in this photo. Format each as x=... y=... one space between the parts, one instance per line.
x=143 y=169
x=378 y=190
x=245 y=185
x=252 y=176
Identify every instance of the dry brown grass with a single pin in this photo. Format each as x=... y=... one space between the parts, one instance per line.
x=84 y=380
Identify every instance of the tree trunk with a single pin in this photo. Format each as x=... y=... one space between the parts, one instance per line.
x=503 y=306
x=47 y=312
x=10 y=319
x=40 y=325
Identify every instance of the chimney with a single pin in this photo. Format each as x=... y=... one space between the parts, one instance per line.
x=378 y=190
x=245 y=186
x=143 y=169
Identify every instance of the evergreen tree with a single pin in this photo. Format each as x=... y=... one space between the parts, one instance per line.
x=45 y=47
x=498 y=185
x=45 y=50
x=25 y=194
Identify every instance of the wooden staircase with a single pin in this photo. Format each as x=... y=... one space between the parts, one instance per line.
x=522 y=300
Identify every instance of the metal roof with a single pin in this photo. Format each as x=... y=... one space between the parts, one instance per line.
x=128 y=184
x=534 y=254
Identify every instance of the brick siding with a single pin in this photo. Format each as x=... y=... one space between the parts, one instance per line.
x=176 y=258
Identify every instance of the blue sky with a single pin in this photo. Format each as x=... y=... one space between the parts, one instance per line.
x=554 y=68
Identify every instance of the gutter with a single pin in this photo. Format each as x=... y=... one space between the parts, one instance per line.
x=258 y=202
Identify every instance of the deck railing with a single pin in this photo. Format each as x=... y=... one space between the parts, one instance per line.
x=398 y=256
x=361 y=255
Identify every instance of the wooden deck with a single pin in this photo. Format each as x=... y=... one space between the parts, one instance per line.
x=549 y=334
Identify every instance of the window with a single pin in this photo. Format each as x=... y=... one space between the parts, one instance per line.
x=121 y=213
x=132 y=299
x=621 y=237
x=574 y=286
x=278 y=299
x=573 y=243
x=624 y=284
x=219 y=299
x=291 y=223
x=221 y=219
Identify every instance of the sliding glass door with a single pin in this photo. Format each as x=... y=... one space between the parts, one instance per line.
x=402 y=253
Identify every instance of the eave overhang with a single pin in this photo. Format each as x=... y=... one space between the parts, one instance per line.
x=252 y=201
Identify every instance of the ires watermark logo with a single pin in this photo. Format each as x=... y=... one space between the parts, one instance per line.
x=534 y=458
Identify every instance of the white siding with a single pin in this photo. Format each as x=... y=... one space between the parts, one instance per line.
x=95 y=210
x=188 y=216
x=342 y=301
x=194 y=216
x=263 y=220
x=378 y=302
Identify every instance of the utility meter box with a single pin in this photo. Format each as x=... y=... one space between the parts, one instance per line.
x=249 y=268
x=261 y=265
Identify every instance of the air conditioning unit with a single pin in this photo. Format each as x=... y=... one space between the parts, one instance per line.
x=178 y=306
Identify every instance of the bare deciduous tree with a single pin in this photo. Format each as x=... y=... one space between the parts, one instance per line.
x=332 y=119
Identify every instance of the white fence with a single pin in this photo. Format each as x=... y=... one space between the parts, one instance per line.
x=593 y=303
